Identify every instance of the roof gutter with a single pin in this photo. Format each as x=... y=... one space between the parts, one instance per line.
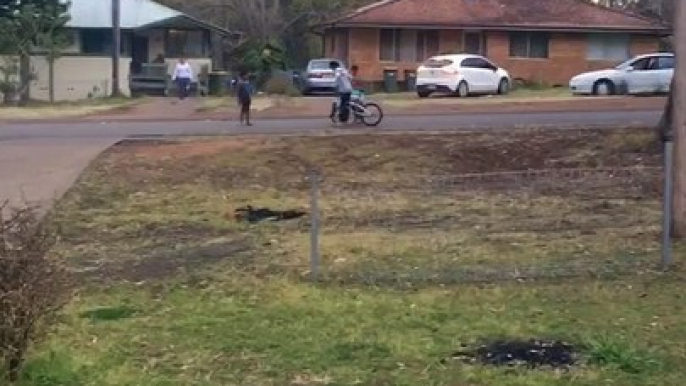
x=656 y=31
x=198 y=22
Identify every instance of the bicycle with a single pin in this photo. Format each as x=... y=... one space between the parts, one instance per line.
x=368 y=113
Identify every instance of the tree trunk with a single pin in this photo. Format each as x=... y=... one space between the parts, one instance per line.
x=666 y=126
x=116 y=47
x=24 y=79
x=679 y=123
x=51 y=80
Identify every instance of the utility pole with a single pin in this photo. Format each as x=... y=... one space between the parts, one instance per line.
x=679 y=121
x=116 y=47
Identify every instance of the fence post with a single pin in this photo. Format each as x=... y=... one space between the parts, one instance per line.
x=667 y=204
x=314 y=225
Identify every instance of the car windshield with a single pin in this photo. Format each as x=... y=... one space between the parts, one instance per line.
x=625 y=65
x=437 y=63
x=319 y=65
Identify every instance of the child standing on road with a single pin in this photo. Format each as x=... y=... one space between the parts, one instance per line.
x=244 y=98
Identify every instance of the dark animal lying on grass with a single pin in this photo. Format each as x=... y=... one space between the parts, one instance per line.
x=253 y=215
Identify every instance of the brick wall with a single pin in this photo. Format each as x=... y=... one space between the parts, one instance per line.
x=567 y=55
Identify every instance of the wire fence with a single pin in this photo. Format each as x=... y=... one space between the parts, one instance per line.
x=487 y=227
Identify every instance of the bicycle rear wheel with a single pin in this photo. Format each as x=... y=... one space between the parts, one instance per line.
x=373 y=114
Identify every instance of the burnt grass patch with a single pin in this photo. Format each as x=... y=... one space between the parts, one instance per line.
x=532 y=354
x=556 y=355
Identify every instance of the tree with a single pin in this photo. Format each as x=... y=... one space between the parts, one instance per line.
x=52 y=40
x=282 y=23
x=659 y=9
x=23 y=24
x=677 y=104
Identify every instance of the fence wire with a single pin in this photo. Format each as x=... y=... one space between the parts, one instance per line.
x=489 y=227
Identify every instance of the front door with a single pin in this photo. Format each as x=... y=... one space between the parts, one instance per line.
x=643 y=76
x=139 y=49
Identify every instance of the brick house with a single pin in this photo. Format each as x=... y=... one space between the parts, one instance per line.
x=543 y=41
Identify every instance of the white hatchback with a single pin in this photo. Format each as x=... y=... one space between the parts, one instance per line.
x=462 y=75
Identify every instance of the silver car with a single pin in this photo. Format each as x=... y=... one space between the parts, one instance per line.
x=319 y=76
x=645 y=74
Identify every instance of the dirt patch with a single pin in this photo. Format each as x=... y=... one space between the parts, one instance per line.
x=165 y=150
x=282 y=162
x=163 y=263
x=532 y=354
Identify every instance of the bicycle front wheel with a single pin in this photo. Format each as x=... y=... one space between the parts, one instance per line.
x=373 y=114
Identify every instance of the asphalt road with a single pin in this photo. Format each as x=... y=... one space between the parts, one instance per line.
x=123 y=129
x=39 y=161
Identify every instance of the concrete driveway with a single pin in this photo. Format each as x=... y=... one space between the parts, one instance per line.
x=38 y=171
x=40 y=161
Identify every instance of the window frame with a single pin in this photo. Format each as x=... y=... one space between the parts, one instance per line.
x=107 y=37
x=204 y=44
x=660 y=59
x=605 y=42
x=395 y=49
x=529 y=38
x=423 y=49
x=423 y=44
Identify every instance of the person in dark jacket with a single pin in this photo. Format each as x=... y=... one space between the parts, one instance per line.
x=244 y=98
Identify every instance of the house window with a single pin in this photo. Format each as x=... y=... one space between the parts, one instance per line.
x=407 y=45
x=427 y=44
x=186 y=43
x=99 y=41
x=529 y=45
x=612 y=47
x=473 y=42
x=389 y=45
x=403 y=45
x=340 y=45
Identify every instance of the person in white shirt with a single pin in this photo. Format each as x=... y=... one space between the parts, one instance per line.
x=183 y=76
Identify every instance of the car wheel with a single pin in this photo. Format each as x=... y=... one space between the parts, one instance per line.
x=604 y=87
x=503 y=86
x=463 y=89
x=423 y=94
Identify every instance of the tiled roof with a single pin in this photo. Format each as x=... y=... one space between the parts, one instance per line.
x=536 y=14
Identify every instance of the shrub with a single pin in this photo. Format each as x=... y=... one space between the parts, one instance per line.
x=281 y=85
x=33 y=284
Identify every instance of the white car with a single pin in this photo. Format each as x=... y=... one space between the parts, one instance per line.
x=645 y=74
x=462 y=75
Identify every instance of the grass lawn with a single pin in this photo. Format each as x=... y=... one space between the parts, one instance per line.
x=522 y=93
x=43 y=110
x=175 y=292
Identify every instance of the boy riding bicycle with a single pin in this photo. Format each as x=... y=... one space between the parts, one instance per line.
x=345 y=90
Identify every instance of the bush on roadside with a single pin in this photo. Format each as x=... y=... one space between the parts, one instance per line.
x=281 y=85
x=33 y=285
